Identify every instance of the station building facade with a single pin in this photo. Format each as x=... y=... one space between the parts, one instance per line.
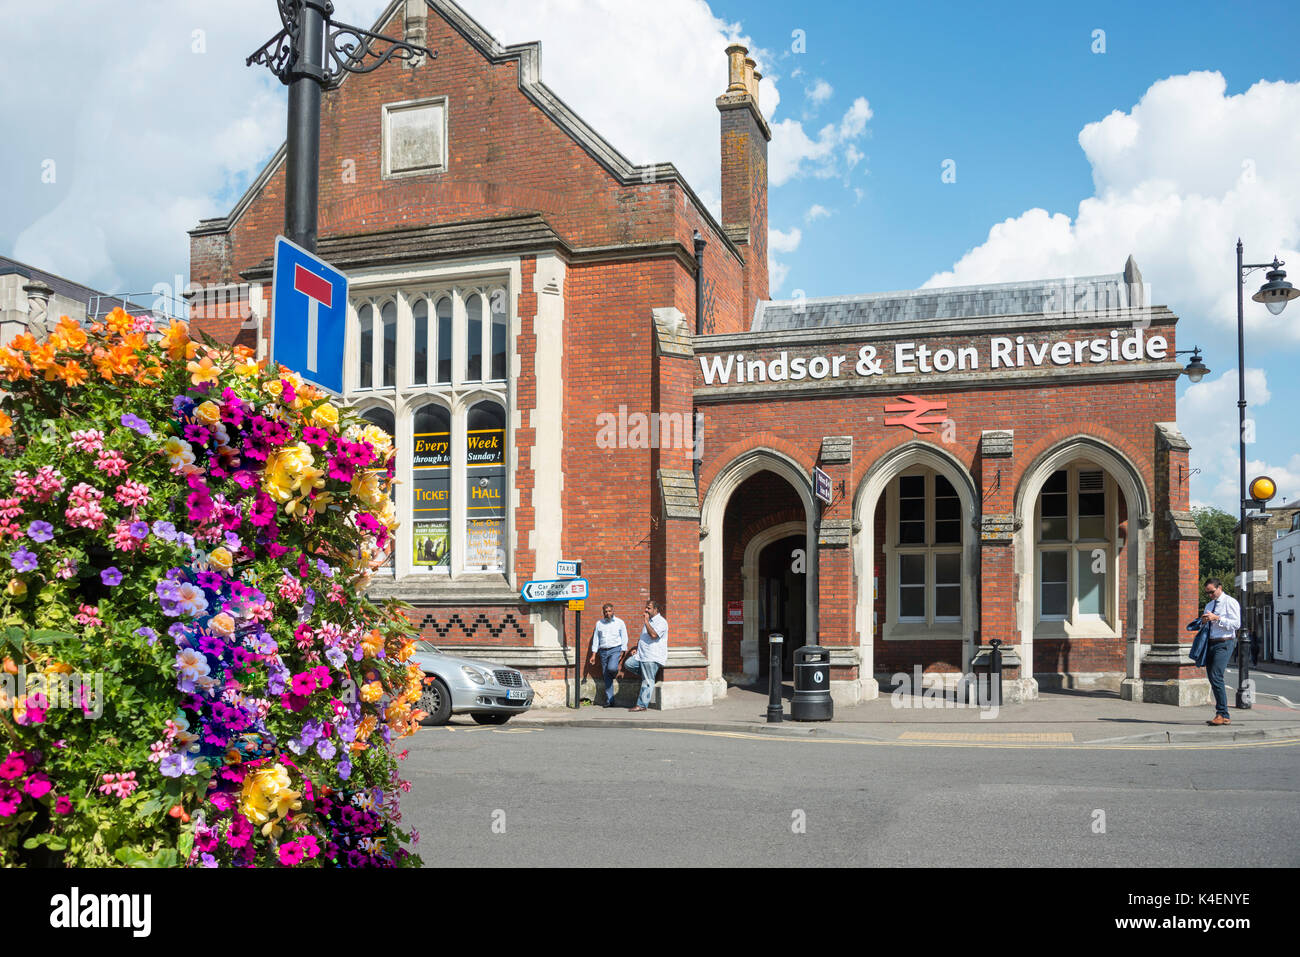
x=578 y=360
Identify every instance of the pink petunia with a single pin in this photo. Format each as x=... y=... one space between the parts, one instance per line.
x=290 y=854
x=37 y=785
x=63 y=804
x=303 y=684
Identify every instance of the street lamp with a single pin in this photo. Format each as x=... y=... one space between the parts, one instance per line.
x=1196 y=369
x=1275 y=294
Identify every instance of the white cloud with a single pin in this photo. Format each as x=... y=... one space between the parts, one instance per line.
x=780 y=242
x=815 y=212
x=819 y=93
x=793 y=153
x=1177 y=179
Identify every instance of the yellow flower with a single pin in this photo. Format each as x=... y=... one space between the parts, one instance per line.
x=222 y=625
x=221 y=559
x=208 y=413
x=179 y=452
x=291 y=472
x=267 y=794
x=365 y=486
x=17 y=589
x=246 y=368
x=370 y=693
x=202 y=371
x=326 y=416
x=273 y=387
x=57 y=668
x=380 y=440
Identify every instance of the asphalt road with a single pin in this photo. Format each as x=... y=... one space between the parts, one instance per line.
x=1288 y=686
x=583 y=797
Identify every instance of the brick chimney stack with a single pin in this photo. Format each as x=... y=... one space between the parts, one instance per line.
x=745 y=138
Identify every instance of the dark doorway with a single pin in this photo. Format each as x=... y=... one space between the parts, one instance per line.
x=782 y=600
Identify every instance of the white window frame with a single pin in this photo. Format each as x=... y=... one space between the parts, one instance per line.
x=1074 y=621
x=405 y=398
x=931 y=625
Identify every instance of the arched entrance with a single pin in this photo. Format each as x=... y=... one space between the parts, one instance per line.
x=754 y=520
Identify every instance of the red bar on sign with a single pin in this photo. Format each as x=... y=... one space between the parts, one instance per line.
x=316 y=287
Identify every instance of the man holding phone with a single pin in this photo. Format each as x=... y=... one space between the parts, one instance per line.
x=649 y=654
x=1224 y=615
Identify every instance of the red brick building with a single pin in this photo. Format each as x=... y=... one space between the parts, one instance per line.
x=524 y=319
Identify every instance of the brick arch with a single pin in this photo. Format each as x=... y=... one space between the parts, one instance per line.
x=753 y=442
x=870 y=457
x=780 y=517
x=1033 y=454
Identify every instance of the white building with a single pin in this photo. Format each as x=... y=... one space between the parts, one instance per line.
x=1286 y=585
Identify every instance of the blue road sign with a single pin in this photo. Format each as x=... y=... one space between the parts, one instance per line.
x=309 y=311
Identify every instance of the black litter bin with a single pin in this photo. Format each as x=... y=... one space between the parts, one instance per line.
x=812 y=685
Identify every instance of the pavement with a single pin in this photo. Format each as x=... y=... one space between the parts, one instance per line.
x=1056 y=719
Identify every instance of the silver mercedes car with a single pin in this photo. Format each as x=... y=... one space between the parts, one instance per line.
x=488 y=693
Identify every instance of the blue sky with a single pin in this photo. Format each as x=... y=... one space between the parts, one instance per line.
x=1182 y=135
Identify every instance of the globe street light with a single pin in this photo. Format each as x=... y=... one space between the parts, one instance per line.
x=1196 y=369
x=1275 y=294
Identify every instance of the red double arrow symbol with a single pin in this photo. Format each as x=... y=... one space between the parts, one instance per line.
x=919 y=414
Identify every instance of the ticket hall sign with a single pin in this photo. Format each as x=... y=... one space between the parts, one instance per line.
x=926 y=358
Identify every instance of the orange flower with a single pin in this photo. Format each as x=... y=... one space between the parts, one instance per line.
x=175 y=338
x=150 y=376
x=43 y=357
x=72 y=374
x=6 y=427
x=202 y=371
x=67 y=335
x=119 y=360
x=13 y=365
x=24 y=343
x=119 y=322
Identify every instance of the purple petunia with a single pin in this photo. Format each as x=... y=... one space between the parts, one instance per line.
x=139 y=530
x=111 y=576
x=22 y=560
x=40 y=531
x=147 y=633
x=165 y=530
x=136 y=424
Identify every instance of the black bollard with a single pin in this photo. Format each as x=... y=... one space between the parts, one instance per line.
x=775 y=709
x=995 y=672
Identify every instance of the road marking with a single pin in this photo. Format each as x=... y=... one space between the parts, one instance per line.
x=1083 y=745
x=1064 y=737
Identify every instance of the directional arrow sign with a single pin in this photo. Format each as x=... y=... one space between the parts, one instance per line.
x=309 y=311
x=569 y=589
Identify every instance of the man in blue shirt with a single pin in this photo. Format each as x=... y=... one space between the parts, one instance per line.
x=609 y=641
x=1224 y=615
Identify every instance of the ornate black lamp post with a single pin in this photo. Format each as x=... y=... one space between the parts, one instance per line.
x=1275 y=294
x=310 y=54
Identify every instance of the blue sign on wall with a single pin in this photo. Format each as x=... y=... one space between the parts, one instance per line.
x=309 y=303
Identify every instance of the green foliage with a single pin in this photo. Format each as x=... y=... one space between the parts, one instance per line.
x=1218 y=555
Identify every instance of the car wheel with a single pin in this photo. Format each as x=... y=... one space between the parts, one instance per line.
x=491 y=718
x=436 y=700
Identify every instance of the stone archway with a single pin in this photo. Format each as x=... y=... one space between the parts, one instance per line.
x=712 y=550
x=1137 y=501
x=872 y=487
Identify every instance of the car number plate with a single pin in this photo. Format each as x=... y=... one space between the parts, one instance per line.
x=516 y=693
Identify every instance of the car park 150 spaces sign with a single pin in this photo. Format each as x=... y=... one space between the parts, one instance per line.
x=913 y=358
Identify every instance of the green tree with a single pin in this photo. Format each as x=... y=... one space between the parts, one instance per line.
x=1218 y=559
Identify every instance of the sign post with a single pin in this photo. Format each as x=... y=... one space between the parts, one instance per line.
x=573 y=591
x=309 y=303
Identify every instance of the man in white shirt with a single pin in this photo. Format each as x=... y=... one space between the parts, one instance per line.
x=1224 y=615
x=608 y=641
x=650 y=653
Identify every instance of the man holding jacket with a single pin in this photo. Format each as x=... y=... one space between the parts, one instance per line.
x=1224 y=615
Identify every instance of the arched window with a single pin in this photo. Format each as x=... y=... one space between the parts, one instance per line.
x=498 y=303
x=474 y=338
x=366 y=373
x=382 y=418
x=431 y=490
x=388 y=316
x=444 y=341
x=1075 y=546
x=924 y=549
x=420 y=319
x=485 y=472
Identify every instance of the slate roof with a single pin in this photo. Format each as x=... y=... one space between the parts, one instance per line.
x=498 y=235
x=103 y=303
x=1069 y=295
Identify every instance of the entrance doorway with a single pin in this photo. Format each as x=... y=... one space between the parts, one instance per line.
x=782 y=605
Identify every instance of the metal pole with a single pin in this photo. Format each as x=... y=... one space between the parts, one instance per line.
x=774 y=707
x=302 y=163
x=1243 y=669
x=577 y=657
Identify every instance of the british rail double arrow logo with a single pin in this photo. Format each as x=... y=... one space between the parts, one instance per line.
x=918 y=415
